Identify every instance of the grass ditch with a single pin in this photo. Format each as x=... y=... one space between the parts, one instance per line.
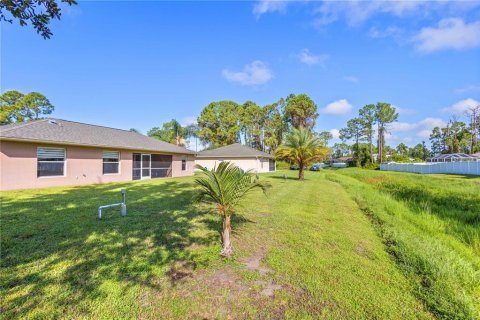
x=443 y=269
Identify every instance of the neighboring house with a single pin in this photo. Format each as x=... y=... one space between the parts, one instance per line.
x=343 y=160
x=242 y=156
x=52 y=152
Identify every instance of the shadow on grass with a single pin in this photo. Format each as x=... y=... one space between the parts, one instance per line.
x=295 y=177
x=460 y=176
x=54 y=238
x=283 y=178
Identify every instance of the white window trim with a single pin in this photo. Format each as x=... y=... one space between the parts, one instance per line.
x=149 y=166
x=119 y=164
x=64 y=163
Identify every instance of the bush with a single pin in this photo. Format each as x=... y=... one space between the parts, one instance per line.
x=283 y=165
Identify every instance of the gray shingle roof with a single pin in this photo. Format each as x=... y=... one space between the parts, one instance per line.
x=233 y=150
x=58 y=131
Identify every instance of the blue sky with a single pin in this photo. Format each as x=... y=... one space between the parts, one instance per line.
x=139 y=64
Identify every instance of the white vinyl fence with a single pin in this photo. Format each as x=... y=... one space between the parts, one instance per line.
x=468 y=167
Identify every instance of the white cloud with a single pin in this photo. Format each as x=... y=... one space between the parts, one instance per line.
x=307 y=57
x=421 y=129
x=339 y=107
x=451 y=33
x=392 y=139
x=189 y=120
x=425 y=134
x=376 y=33
x=335 y=133
x=265 y=6
x=469 y=88
x=461 y=106
x=351 y=79
x=255 y=73
x=425 y=124
x=405 y=111
x=430 y=123
x=357 y=12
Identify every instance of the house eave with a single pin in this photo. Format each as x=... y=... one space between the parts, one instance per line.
x=229 y=156
x=63 y=143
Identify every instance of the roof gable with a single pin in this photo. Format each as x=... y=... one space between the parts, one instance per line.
x=58 y=131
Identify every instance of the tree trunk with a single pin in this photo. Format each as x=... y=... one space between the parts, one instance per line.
x=371 y=149
x=301 y=173
x=227 y=249
x=380 y=144
x=357 y=157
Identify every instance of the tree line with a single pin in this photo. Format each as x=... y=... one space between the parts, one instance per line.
x=16 y=106
x=457 y=136
x=264 y=128
x=362 y=129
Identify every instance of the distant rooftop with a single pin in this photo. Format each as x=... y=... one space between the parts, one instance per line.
x=235 y=150
x=453 y=157
x=57 y=131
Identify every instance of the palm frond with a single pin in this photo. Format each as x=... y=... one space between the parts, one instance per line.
x=226 y=185
x=301 y=147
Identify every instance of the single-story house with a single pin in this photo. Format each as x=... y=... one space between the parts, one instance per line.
x=343 y=160
x=53 y=152
x=242 y=156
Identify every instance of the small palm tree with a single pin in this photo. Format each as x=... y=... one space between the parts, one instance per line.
x=224 y=187
x=302 y=148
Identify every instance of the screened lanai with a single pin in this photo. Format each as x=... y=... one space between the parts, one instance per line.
x=453 y=157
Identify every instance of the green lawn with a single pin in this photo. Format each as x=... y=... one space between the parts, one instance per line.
x=431 y=226
x=308 y=250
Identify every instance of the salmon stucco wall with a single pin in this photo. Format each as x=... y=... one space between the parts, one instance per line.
x=84 y=165
x=177 y=166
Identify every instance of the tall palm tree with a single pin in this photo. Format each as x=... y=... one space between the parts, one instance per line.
x=224 y=187
x=302 y=148
x=178 y=132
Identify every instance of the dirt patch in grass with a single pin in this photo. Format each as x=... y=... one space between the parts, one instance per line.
x=269 y=287
x=360 y=249
x=376 y=180
x=179 y=270
x=253 y=263
x=302 y=297
x=225 y=278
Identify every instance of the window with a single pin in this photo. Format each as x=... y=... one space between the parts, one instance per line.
x=111 y=162
x=50 y=162
x=184 y=163
x=161 y=166
x=271 y=164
